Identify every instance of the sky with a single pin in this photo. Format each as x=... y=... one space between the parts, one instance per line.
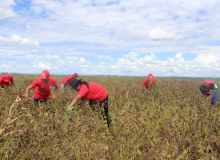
x=111 y=37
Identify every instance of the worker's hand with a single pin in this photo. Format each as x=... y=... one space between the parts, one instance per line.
x=53 y=97
x=25 y=95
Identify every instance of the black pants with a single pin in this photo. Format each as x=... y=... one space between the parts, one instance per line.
x=36 y=101
x=103 y=105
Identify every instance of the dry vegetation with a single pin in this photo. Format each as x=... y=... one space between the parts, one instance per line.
x=171 y=122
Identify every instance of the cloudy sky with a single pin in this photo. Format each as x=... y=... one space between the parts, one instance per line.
x=111 y=37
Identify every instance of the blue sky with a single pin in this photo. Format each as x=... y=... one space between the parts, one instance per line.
x=135 y=37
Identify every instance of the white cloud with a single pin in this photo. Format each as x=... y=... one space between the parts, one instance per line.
x=82 y=60
x=125 y=65
x=102 y=63
x=31 y=57
x=47 y=50
x=28 y=27
x=105 y=57
x=148 y=58
x=84 y=66
x=43 y=65
x=75 y=52
x=4 y=66
x=71 y=49
x=73 y=59
x=200 y=48
x=50 y=57
x=159 y=34
x=202 y=65
x=206 y=59
x=6 y=10
x=178 y=58
x=132 y=55
x=14 y=67
x=17 y=39
x=5 y=55
x=207 y=50
x=89 y=28
x=47 y=57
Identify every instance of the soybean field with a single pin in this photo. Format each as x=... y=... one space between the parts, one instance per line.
x=172 y=121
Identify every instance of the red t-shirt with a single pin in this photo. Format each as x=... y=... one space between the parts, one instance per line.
x=95 y=92
x=150 y=83
x=68 y=79
x=43 y=89
x=2 y=82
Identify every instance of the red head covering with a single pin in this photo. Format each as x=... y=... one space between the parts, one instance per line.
x=6 y=78
x=150 y=81
x=150 y=75
x=44 y=74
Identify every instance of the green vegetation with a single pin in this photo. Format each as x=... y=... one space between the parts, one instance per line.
x=173 y=121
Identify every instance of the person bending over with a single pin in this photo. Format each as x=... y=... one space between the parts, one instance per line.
x=149 y=82
x=6 y=80
x=93 y=92
x=66 y=81
x=43 y=86
x=209 y=89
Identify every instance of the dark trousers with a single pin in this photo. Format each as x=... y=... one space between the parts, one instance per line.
x=36 y=101
x=103 y=105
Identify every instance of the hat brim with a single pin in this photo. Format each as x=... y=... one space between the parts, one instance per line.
x=43 y=77
x=74 y=83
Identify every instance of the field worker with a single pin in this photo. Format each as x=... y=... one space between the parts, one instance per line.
x=209 y=90
x=43 y=85
x=94 y=93
x=6 y=80
x=66 y=81
x=149 y=82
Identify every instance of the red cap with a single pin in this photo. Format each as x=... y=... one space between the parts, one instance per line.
x=150 y=75
x=44 y=74
x=6 y=78
x=75 y=74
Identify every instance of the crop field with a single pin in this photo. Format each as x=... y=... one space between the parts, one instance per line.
x=172 y=121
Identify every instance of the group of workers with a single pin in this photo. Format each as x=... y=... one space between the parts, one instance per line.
x=91 y=91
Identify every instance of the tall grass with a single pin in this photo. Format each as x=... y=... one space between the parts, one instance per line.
x=173 y=121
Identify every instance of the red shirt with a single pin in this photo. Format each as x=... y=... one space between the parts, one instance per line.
x=43 y=89
x=2 y=82
x=95 y=92
x=149 y=83
x=68 y=79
